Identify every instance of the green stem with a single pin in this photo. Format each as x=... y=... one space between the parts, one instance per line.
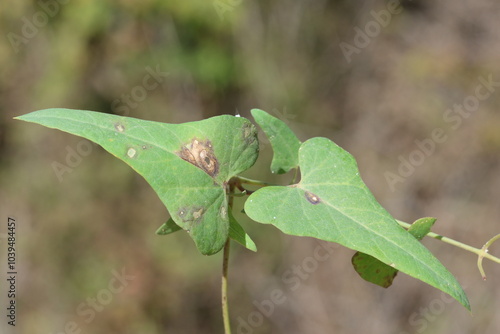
x=295 y=175
x=482 y=253
x=225 y=267
x=225 y=307
x=254 y=182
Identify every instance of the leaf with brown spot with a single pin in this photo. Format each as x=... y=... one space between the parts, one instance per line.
x=200 y=154
x=346 y=213
x=188 y=165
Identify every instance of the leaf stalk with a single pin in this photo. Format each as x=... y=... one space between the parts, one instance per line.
x=481 y=253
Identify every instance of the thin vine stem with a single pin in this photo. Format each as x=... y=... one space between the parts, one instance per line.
x=245 y=180
x=481 y=253
x=225 y=306
x=295 y=175
x=484 y=253
x=225 y=267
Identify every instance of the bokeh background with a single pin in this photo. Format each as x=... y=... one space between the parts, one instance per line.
x=76 y=231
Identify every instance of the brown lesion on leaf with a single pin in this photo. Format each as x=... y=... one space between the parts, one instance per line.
x=312 y=198
x=201 y=154
x=190 y=216
x=119 y=127
x=249 y=133
x=132 y=153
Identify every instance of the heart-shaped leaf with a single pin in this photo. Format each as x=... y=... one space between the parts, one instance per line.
x=332 y=203
x=379 y=273
x=284 y=142
x=188 y=165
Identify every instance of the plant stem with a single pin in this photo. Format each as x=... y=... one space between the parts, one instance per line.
x=225 y=266
x=225 y=307
x=295 y=175
x=254 y=182
x=479 y=252
x=484 y=253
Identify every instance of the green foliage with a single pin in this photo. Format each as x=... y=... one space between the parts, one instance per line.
x=168 y=228
x=332 y=203
x=188 y=165
x=377 y=272
x=373 y=270
x=284 y=142
x=236 y=232
x=194 y=169
x=421 y=227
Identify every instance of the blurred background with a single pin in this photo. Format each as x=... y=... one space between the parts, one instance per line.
x=374 y=76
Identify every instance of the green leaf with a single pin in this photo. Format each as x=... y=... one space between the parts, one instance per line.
x=421 y=227
x=167 y=228
x=284 y=142
x=372 y=270
x=187 y=164
x=332 y=203
x=236 y=232
x=377 y=272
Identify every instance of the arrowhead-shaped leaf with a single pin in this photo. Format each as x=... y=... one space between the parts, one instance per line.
x=284 y=142
x=332 y=203
x=187 y=164
x=377 y=272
